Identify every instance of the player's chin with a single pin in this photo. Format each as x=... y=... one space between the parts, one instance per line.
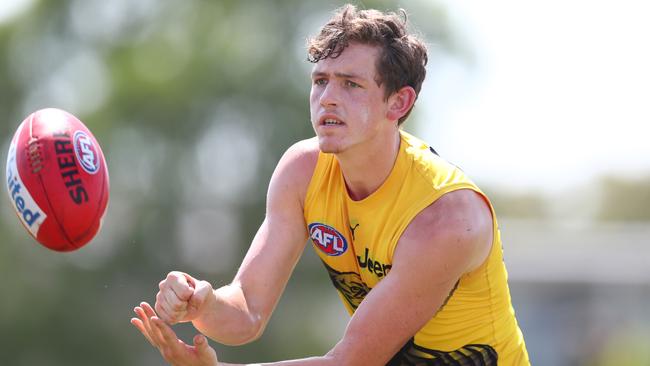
x=328 y=145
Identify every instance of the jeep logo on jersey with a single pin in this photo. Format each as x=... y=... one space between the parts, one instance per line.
x=86 y=152
x=327 y=239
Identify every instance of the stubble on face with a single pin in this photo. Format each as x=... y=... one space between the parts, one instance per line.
x=345 y=138
x=353 y=106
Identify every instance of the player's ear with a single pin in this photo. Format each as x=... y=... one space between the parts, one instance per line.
x=400 y=102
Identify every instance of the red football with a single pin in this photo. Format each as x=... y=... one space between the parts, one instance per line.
x=57 y=179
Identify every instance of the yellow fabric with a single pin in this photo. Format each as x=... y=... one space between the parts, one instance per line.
x=356 y=241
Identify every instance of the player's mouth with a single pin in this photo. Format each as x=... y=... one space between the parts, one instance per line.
x=330 y=121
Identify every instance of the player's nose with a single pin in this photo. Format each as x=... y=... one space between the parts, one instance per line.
x=330 y=95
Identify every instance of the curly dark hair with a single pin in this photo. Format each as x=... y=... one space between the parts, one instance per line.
x=402 y=58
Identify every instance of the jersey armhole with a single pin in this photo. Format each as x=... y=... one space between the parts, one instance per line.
x=429 y=200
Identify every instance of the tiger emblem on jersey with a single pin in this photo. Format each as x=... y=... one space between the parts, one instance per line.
x=350 y=285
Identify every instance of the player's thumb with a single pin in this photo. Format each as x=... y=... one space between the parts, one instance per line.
x=202 y=289
x=203 y=349
x=201 y=343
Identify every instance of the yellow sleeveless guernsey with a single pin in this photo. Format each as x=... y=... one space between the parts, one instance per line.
x=356 y=241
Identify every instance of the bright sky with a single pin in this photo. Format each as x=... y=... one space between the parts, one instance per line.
x=11 y=8
x=558 y=92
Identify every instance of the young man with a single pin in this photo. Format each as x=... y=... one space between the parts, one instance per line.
x=410 y=243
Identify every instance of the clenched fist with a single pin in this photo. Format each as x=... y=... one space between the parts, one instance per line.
x=181 y=297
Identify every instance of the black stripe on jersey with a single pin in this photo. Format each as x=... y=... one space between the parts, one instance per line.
x=469 y=355
x=433 y=151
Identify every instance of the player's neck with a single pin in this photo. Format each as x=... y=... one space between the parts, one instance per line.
x=364 y=172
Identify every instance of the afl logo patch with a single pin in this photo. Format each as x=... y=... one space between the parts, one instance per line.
x=327 y=239
x=86 y=152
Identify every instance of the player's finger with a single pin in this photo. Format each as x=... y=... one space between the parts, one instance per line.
x=161 y=310
x=156 y=335
x=144 y=319
x=175 y=290
x=191 y=281
x=150 y=313
x=166 y=333
x=179 y=283
x=174 y=302
x=148 y=310
x=166 y=311
x=171 y=347
x=202 y=290
x=154 y=332
x=165 y=314
x=140 y=326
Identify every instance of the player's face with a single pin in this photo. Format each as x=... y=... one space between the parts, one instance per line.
x=347 y=106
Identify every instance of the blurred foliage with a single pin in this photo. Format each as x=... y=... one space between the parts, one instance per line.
x=625 y=199
x=628 y=347
x=193 y=103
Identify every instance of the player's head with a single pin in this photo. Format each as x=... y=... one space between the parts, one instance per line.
x=402 y=57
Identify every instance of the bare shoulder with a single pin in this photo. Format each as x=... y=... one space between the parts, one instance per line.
x=295 y=169
x=303 y=154
x=457 y=228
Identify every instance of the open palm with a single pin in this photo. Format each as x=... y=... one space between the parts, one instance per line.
x=174 y=350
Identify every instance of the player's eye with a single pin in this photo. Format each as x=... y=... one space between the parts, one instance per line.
x=320 y=81
x=351 y=84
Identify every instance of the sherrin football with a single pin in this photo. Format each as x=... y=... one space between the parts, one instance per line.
x=57 y=179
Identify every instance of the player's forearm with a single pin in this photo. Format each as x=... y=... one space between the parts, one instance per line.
x=312 y=361
x=228 y=319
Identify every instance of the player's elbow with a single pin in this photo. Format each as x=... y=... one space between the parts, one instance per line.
x=245 y=333
x=254 y=335
x=341 y=358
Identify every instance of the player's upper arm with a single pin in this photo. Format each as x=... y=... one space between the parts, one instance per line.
x=449 y=238
x=281 y=238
